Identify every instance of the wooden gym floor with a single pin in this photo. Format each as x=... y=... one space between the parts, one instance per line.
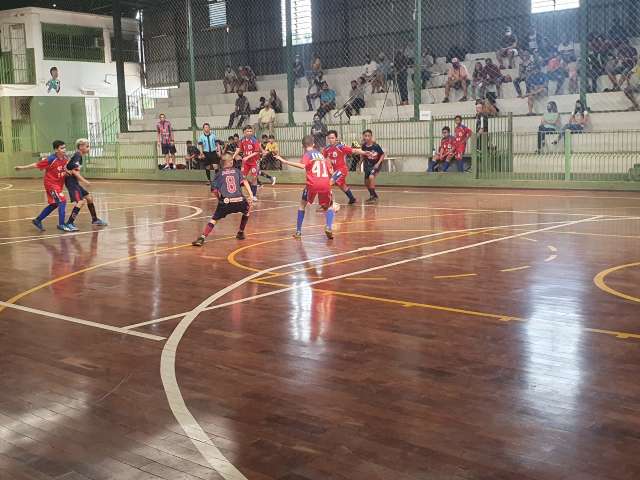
x=443 y=334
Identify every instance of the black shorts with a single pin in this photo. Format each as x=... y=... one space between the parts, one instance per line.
x=368 y=169
x=223 y=209
x=76 y=192
x=210 y=158
x=168 y=148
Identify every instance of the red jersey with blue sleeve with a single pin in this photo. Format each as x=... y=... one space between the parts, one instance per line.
x=228 y=185
x=318 y=170
x=337 y=154
x=250 y=149
x=54 y=174
x=446 y=149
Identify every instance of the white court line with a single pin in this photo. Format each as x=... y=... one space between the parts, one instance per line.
x=191 y=427
x=66 y=318
x=7 y=186
x=99 y=211
x=97 y=193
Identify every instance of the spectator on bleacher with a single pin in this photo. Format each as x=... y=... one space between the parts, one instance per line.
x=536 y=87
x=275 y=101
x=508 y=46
x=477 y=81
x=369 y=69
x=261 y=103
x=230 y=80
x=555 y=72
x=577 y=122
x=271 y=149
x=549 y=123
x=319 y=132
x=400 y=65
x=356 y=97
x=327 y=100
x=524 y=70
x=315 y=76
x=458 y=79
x=623 y=64
x=383 y=74
x=535 y=42
x=427 y=64
x=267 y=118
x=298 y=69
x=242 y=110
x=633 y=87
x=191 y=158
x=166 y=141
x=493 y=76
x=598 y=48
x=251 y=79
x=243 y=80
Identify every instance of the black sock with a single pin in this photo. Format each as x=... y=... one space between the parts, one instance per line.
x=74 y=214
x=372 y=192
x=243 y=222
x=207 y=172
x=92 y=211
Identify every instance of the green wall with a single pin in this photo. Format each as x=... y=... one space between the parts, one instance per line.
x=57 y=118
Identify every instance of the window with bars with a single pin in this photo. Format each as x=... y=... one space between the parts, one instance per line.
x=301 y=25
x=129 y=48
x=541 y=6
x=217 y=13
x=71 y=42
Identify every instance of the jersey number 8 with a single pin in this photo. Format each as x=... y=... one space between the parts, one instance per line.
x=232 y=187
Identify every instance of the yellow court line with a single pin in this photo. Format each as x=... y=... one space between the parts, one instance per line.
x=599 y=280
x=442 y=277
x=403 y=303
x=515 y=269
x=622 y=335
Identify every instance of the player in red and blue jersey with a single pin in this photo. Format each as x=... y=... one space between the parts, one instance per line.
x=77 y=194
x=446 y=153
x=227 y=186
x=462 y=133
x=320 y=177
x=55 y=170
x=337 y=153
x=251 y=151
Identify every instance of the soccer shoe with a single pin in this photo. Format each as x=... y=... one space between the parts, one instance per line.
x=240 y=236
x=38 y=224
x=64 y=228
x=297 y=235
x=372 y=200
x=353 y=201
x=99 y=223
x=198 y=242
x=329 y=233
x=72 y=227
x=273 y=181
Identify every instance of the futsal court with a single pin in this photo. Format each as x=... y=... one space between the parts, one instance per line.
x=443 y=334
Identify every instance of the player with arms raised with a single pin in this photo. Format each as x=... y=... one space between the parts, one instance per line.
x=371 y=161
x=251 y=151
x=319 y=181
x=227 y=186
x=337 y=152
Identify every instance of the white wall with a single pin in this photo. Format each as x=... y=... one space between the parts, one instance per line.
x=74 y=76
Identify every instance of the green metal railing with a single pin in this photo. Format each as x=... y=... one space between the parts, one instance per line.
x=18 y=69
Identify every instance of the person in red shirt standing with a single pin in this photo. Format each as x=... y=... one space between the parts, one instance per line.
x=55 y=171
x=320 y=177
x=337 y=154
x=251 y=151
x=462 y=133
x=446 y=152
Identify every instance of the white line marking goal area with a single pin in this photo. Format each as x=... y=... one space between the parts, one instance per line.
x=189 y=424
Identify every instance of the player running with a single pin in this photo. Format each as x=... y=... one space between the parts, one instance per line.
x=251 y=151
x=371 y=163
x=337 y=153
x=319 y=181
x=74 y=181
x=54 y=167
x=227 y=186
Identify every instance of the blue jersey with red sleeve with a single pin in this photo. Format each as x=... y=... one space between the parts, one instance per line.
x=228 y=184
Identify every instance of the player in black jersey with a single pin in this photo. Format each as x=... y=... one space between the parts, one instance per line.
x=371 y=163
x=74 y=181
x=227 y=186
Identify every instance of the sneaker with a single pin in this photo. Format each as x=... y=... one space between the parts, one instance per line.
x=166 y=167
x=72 y=227
x=372 y=200
x=463 y=99
x=198 y=242
x=99 y=223
x=64 y=228
x=240 y=236
x=297 y=235
x=353 y=201
x=446 y=100
x=38 y=224
x=273 y=181
x=329 y=233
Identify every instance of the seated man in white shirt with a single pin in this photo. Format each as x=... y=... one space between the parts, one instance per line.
x=267 y=118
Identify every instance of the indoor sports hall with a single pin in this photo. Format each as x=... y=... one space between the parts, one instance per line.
x=223 y=259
